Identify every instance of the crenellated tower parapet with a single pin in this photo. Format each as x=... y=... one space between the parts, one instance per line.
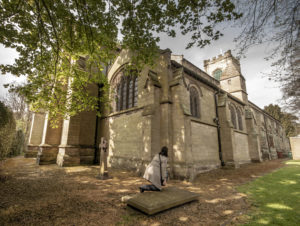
x=227 y=69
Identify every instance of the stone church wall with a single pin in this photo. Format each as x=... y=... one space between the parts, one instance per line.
x=231 y=84
x=241 y=154
x=162 y=117
x=204 y=146
x=134 y=134
x=126 y=143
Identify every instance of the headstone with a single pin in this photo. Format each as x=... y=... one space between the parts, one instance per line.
x=103 y=159
x=157 y=201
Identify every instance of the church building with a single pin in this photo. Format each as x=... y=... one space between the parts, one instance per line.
x=203 y=117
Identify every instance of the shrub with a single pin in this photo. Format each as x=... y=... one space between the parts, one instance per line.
x=7 y=130
x=18 y=143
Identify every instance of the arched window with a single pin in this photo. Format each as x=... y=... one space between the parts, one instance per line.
x=194 y=102
x=240 y=121
x=233 y=116
x=217 y=74
x=126 y=92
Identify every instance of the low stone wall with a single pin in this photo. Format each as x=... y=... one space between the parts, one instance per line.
x=47 y=155
x=75 y=155
x=32 y=151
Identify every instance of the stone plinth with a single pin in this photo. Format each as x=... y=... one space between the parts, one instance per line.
x=32 y=151
x=68 y=156
x=154 y=202
x=47 y=154
x=74 y=155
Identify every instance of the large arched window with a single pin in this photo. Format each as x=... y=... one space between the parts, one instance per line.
x=233 y=116
x=217 y=74
x=126 y=92
x=240 y=121
x=194 y=102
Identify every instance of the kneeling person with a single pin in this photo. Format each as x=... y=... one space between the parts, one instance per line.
x=156 y=172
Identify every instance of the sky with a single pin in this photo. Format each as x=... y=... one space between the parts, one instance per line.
x=261 y=90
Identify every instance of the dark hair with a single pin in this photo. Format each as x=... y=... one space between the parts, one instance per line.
x=164 y=151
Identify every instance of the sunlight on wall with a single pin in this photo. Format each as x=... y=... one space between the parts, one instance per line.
x=293 y=163
x=112 y=135
x=177 y=152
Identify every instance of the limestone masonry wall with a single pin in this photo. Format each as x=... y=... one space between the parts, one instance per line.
x=241 y=154
x=227 y=130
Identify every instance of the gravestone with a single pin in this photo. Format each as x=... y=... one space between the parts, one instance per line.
x=154 y=202
x=103 y=159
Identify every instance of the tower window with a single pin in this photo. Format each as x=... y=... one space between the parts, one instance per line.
x=217 y=74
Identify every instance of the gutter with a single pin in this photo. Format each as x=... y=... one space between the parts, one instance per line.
x=218 y=129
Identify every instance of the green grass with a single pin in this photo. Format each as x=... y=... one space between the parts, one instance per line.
x=275 y=197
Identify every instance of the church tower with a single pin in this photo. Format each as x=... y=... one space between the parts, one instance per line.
x=227 y=70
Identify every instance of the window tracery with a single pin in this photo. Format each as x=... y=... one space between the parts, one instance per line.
x=233 y=116
x=240 y=121
x=126 y=92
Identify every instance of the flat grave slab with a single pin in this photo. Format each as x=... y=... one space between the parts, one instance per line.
x=157 y=201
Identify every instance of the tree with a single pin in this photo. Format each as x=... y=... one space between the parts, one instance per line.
x=277 y=24
x=287 y=120
x=18 y=144
x=18 y=105
x=7 y=130
x=52 y=36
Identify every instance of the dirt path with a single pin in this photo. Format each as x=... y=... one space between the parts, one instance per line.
x=50 y=195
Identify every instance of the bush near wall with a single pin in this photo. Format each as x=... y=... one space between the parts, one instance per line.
x=7 y=130
x=18 y=144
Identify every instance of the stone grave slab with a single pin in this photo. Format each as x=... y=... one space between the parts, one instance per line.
x=157 y=201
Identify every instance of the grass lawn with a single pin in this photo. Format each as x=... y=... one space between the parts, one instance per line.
x=275 y=197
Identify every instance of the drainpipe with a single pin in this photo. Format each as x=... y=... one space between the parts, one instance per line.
x=216 y=120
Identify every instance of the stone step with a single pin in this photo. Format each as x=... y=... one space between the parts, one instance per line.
x=157 y=201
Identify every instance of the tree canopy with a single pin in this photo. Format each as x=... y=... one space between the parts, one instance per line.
x=52 y=35
x=287 y=120
x=276 y=24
